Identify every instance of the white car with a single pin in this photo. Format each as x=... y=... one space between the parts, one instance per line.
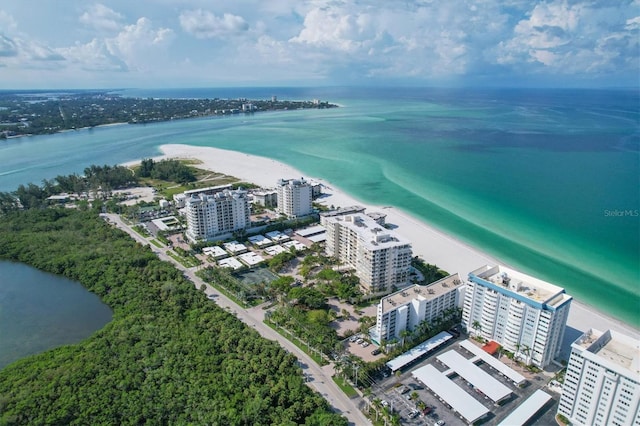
x=440 y=423
x=384 y=403
x=365 y=344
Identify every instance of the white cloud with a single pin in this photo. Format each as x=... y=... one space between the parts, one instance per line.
x=341 y=41
x=102 y=18
x=7 y=22
x=136 y=37
x=204 y=24
x=39 y=52
x=418 y=39
x=93 y=56
x=135 y=48
x=633 y=24
x=27 y=54
x=582 y=38
x=8 y=47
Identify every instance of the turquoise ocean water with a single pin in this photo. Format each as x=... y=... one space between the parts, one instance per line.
x=545 y=180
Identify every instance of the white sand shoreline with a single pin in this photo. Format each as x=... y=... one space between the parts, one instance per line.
x=431 y=244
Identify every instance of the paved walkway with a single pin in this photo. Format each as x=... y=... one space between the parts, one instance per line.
x=321 y=380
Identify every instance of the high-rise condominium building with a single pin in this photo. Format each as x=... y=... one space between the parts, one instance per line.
x=405 y=309
x=217 y=215
x=602 y=381
x=380 y=257
x=525 y=315
x=294 y=197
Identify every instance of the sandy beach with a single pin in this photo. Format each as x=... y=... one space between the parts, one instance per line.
x=432 y=245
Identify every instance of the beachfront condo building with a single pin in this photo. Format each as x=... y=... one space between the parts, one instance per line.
x=217 y=215
x=602 y=381
x=381 y=258
x=268 y=199
x=294 y=197
x=406 y=308
x=525 y=315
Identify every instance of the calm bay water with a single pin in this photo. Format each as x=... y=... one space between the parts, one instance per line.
x=545 y=180
x=40 y=311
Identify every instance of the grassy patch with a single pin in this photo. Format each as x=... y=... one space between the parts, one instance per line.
x=187 y=262
x=163 y=239
x=230 y=295
x=140 y=231
x=299 y=343
x=156 y=243
x=345 y=386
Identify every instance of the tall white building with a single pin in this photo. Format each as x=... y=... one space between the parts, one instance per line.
x=381 y=258
x=294 y=197
x=405 y=309
x=217 y=215
x=525 y=315
x=602 y=381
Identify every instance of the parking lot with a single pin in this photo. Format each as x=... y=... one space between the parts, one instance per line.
x=406 y=395
x=362 y=348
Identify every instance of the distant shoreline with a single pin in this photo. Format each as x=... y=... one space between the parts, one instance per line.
x=59 y=112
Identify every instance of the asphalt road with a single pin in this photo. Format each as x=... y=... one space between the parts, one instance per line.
x=321 y=380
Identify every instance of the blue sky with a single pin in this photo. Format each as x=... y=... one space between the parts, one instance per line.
x=198 y=43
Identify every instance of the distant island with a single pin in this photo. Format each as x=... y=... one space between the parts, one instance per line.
x=45 y=112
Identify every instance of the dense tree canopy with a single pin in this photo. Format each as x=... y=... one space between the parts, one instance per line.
x=168 y=170
x=169 y=356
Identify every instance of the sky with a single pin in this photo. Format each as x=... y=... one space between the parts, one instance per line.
x=48 y=44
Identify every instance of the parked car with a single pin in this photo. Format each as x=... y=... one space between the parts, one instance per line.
x=404 y=389
x=385 y=403
x=365 y=344
x=353 y=338
x=376 y=351
x=440 y=423
x=359 y=341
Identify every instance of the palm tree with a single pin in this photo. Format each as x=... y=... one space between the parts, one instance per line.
x=345 y=313
x=518 y=346
x=377 y=405
x=403 y=334
x=477 y=327
x=526 y=350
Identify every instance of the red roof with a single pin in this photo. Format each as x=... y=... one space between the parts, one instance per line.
x=491 y=347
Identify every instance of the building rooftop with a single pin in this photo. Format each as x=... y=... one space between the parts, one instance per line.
x=293 y=182
x=615 y=348
x=343 y=211
x=421 y=292
x=523 y=285
x=473 y=374
x=372 y=235
x=312 y=230
x=214 y=251
x=235 y=247
x=460 y=401
x=419 y=351
x=209 y=190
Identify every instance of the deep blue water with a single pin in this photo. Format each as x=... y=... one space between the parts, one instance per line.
x=545 y=180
